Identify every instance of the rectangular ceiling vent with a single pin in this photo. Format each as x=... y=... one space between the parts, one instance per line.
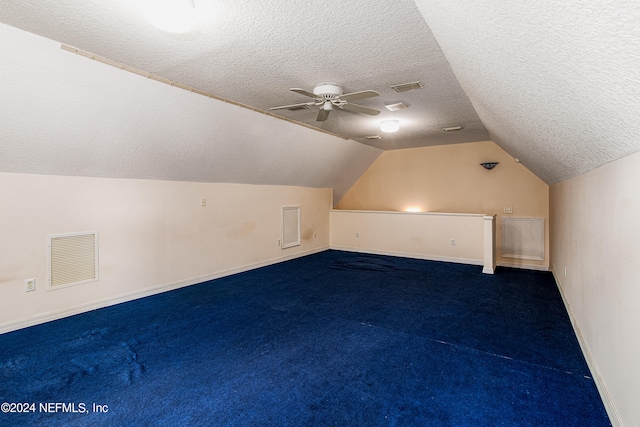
x=72 y=259
x=396 y=107
x=407 y=86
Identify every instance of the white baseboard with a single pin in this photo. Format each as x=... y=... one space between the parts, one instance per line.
x=593 y=366
x=410 y=255
x=523 y=266
x=94 y=305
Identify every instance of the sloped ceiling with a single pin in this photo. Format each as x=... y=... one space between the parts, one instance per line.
x=254 y=51
x=556 y=83
x=63 y=114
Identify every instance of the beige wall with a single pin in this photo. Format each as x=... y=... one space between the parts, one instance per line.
x=595 y=229
x=414 y=235
x=153 y=235
x=450 y=179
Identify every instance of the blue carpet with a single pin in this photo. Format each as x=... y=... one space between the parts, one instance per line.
x=332 y=339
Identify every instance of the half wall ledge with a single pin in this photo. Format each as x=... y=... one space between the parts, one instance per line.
x=451 y=237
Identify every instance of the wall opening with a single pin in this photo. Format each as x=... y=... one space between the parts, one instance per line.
x=290 y=226
x=523 y=238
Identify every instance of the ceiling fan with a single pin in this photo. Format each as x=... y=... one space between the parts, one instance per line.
x=329 y=95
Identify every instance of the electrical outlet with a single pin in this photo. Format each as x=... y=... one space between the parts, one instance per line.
x=565 y=270
x=278 y=242
x=357 y=235
x=203 y=201
x=453 y=242
x=30 y=285
x=507 y=210
x=314 y=235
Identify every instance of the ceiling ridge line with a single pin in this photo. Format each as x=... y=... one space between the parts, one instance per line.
x=160 y=79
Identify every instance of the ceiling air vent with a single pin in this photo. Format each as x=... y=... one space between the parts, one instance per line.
x=72 y=259
x=396 y=107
x=407 y=86
x=452 y=129
x=373 y=137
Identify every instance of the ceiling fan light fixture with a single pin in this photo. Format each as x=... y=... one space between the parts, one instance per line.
x=329 y=95
x=389 y=126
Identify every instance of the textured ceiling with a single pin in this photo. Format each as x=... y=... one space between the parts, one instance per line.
x=556 y=83
x=63 y=114
x=553 y=83
x=253 y=51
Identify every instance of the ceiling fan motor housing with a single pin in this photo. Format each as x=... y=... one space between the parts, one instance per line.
x=327 y=90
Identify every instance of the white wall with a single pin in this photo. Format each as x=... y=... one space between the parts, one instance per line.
x=595 y=233
x=154 y=236
x=415 y=235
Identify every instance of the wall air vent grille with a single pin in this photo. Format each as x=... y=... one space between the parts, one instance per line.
x=72 y=259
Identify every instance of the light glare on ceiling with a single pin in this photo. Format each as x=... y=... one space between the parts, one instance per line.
x=389 y=126
x=174 y=16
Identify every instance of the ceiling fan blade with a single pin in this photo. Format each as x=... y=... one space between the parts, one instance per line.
x=322 y=115
x=360 y=109
x=359 y=95
x=303 y=92
x=304 y=104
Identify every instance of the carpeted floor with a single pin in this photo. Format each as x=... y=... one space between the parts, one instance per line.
x=332 y=339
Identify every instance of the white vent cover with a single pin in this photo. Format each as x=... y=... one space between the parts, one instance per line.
x=290 y=226
x=72 y=259
x=396 y=107
x=523 y=238
x=407 y=86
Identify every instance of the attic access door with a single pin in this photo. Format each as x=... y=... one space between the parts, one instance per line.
x=290 y=226
x=523 y=238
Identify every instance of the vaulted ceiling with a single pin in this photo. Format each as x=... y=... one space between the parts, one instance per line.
x=554 y=84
